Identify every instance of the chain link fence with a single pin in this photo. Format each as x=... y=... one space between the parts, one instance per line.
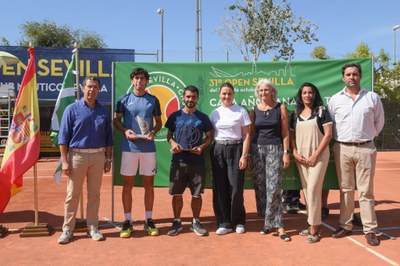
x=389 y=138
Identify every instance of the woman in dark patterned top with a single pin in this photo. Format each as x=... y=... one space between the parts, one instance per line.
x=269 y=152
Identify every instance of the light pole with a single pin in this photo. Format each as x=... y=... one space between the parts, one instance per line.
x=160 y=11
x=394 y=43
x=199 y=41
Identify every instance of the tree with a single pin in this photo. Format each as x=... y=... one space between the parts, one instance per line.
x=387 y=85
x=385 y=79
x=362 y=51
x=88 y=39
x=382 y=73
x=233 y=32
x=4 y=41
x=319 y=52
x=48 y=34
x=264 y=27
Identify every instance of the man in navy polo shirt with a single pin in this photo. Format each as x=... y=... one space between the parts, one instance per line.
x=185 y=134
x=85 y=140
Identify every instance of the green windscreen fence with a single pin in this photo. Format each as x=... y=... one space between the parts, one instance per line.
x=167 y=81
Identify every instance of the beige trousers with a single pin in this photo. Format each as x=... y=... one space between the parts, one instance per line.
x=91 y=166
x=359 y=162
x=312 y=180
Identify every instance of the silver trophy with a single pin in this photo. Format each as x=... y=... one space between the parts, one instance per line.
x=187 y=138
x=144 y=126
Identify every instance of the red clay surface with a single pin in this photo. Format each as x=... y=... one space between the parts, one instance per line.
x=187 y=248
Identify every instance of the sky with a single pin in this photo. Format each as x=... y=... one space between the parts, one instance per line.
x=134 y=24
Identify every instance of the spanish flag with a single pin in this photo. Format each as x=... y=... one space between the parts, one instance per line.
x=23 y=143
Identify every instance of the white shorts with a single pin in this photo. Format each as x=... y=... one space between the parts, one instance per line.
x=144 y=161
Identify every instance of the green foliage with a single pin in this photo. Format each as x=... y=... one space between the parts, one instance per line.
x=265 y=26
x=387 y=85
x=362 y=51
x=48 y=34
x=90 y=40
x=319 y=52
x=4 y=41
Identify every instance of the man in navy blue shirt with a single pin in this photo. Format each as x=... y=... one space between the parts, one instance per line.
x=85 y=140
x=185 y=134
x=135 y=115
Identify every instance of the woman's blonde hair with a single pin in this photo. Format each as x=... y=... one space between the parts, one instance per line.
x=269 y=84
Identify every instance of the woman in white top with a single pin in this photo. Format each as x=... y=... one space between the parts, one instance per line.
x=229 y=156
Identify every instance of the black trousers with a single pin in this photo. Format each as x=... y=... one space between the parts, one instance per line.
x=291 y=197
x=228 y=182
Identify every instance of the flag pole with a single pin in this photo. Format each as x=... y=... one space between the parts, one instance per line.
x=78 y=97
x=77 y=70
x=35 y=193
x=35 y=229
x=35 y=183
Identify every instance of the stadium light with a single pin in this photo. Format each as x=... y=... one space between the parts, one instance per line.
x=160 y=11
x=394 y=44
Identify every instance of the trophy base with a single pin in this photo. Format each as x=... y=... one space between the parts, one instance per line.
x=142 y=136
x=184 y=149
x=139 y=136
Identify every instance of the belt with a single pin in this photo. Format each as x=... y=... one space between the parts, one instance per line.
x=354 y=143
x=228 y=141
x=89 y=150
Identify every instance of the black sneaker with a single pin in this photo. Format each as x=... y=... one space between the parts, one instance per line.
x=302 y=206
x=265 y=230
x=324 y=213
x=197 y=227
x=356 y=220
x=292 y=209
x=150 y=227
x=175 y=228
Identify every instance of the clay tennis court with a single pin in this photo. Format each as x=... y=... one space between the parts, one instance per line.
x=187 y=248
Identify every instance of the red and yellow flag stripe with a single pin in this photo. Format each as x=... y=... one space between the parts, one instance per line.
x=23 y=143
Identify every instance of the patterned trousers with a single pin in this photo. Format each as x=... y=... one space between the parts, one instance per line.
x=267 y=170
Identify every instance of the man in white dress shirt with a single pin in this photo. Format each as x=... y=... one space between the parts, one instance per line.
x=358 y=118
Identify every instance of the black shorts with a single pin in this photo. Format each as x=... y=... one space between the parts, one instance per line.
x=184 y=174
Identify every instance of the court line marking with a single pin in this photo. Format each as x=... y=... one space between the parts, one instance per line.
x=374 y=252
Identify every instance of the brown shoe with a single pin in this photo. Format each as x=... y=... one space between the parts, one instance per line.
x=371 y=239
x=341 y=232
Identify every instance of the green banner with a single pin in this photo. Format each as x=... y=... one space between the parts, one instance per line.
x=167 y=81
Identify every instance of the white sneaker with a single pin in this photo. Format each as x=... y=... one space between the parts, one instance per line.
x=65 y=237
x=240 y=229
x=95 y=234
x=223 y=231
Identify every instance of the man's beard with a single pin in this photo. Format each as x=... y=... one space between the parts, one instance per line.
x=190 y=104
